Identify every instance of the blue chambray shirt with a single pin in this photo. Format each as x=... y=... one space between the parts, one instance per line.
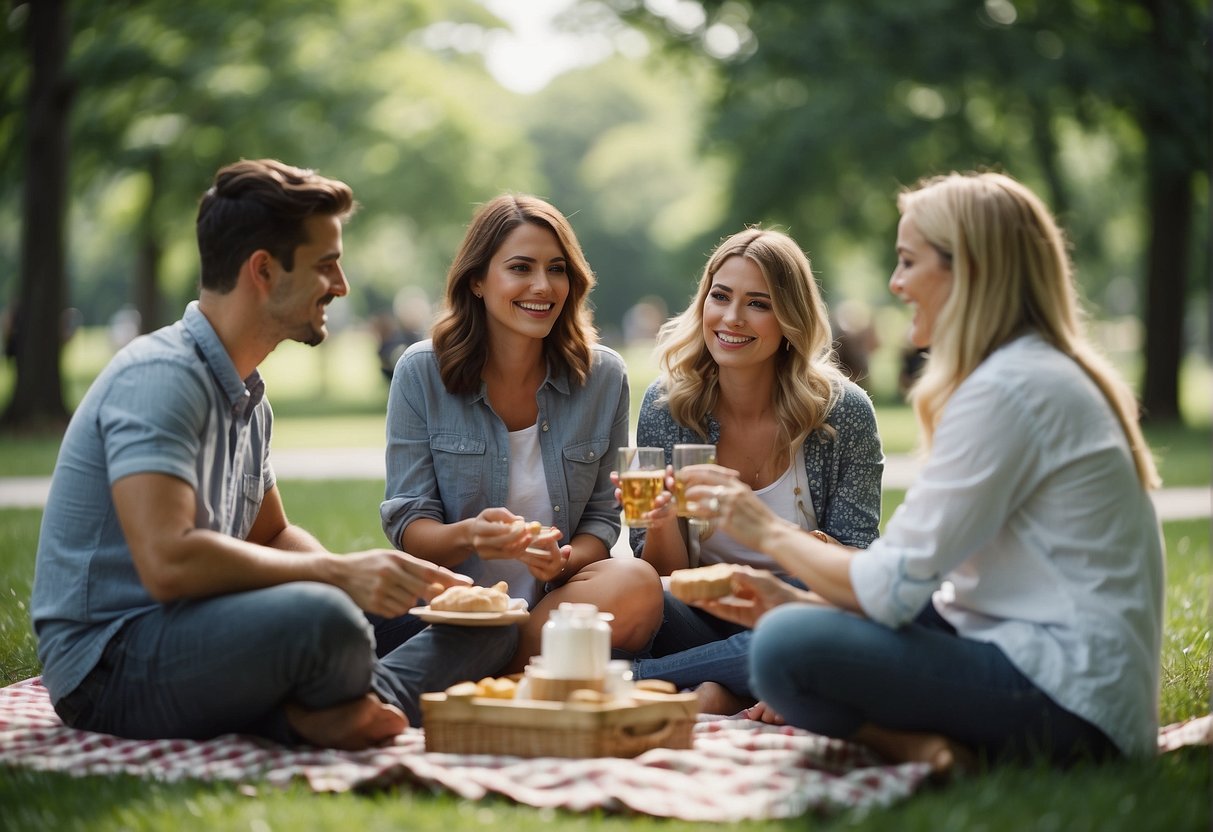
x=170 y=402
x=448 y=455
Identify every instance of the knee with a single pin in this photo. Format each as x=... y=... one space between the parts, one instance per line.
x=628 y=588
x=636 y=588
x=323 y=615
x=786 y=644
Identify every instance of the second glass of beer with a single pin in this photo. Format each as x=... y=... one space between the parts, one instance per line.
x=685 y=455
x=641 y=479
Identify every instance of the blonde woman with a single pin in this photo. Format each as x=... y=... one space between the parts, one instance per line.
x=748 y=367
x=1013 y=607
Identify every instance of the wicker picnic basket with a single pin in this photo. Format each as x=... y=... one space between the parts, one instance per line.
x=535 y=728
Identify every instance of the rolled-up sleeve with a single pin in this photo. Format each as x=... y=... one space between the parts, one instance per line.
x=981 y=467
x=411 y=489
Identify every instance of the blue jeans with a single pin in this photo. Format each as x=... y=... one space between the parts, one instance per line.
x=197 y=669
x=830 y=672
x=390 y=633
x=693 y=647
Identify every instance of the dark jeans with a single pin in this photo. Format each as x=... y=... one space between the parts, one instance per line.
x=198 y=669
x=830 y=672
x=693 y=647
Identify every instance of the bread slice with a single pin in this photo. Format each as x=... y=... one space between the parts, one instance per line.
x=702 y=583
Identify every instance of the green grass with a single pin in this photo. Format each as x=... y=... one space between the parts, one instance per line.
x=1169 y=793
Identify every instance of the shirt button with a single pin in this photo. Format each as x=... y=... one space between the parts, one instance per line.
x=461 y=447
x=556 y=509
x=591 y=454
x=544 y=427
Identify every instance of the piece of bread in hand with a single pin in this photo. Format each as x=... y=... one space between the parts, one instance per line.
x=532 y=526
x=702 y=583
x=494 y=598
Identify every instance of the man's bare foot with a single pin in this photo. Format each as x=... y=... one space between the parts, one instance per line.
x=945 y=756
x=761 y=712
x=350 y=726
x=715 y=698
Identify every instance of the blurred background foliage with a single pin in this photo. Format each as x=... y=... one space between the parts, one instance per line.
x=693 y=118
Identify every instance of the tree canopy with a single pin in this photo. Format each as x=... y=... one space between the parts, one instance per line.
x=809 y=116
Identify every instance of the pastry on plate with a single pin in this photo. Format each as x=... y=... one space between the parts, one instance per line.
x=702 y=583
x=494 y=598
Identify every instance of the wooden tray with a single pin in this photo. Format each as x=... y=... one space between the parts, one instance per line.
x=535 y=728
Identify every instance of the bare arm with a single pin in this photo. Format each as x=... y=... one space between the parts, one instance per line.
x=271 y=528
x=176 y=560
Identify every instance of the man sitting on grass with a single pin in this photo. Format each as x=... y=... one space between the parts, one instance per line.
x=172 y=597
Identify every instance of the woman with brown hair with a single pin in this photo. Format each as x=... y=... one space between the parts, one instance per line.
x=514 y=411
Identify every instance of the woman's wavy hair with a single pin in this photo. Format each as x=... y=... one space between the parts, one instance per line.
x=460 y=333
x=1011 y=273
x=808 y=382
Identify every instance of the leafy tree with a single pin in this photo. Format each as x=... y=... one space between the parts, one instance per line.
x=38 y=396
x=617 y=145
x=163 y=93
x=828 y=107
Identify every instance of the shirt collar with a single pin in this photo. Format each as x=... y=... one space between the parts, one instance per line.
x=242 y=394
x=558 y=381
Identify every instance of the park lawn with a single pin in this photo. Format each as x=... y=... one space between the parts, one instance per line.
x=1168 y=793
x=1182 y=451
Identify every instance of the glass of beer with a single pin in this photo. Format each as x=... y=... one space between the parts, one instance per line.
x=685 y=455
x=641 y=479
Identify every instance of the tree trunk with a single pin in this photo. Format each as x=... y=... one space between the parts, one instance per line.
x=147 y=280
x=1169 y=202
x=37 y=400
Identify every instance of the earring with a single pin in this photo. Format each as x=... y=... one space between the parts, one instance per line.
x=787 y=345
x=477 y=294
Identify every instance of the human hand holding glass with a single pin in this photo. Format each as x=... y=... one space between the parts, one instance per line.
x=684 y=456
x=641 y=479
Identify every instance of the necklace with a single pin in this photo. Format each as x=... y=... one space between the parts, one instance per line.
x=764 y=460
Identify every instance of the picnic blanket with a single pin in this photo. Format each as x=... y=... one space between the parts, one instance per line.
x=737 y=769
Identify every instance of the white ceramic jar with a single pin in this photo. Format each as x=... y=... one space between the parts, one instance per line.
x=576 y=642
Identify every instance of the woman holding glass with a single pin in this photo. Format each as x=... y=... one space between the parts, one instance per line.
x=1013 y=607
x=513 y=411
x=748 y=368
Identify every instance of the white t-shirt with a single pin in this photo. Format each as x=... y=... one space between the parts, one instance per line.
x=1030 y=506
x=527 y=497
x=787 y=497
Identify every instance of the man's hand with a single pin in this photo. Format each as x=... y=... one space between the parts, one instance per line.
x=388 y=583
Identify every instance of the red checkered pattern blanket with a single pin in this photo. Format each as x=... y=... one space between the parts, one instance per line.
x=737 y=770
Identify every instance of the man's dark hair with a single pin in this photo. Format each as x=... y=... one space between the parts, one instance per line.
x=261 y=204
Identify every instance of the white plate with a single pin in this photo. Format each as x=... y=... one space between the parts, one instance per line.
x=514 y=615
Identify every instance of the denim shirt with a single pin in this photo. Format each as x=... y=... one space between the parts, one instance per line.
x=843 y=471
x=170 y=403
x=448 y=455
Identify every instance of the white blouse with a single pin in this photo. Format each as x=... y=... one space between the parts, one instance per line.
x=1030 y=507
x=786 y=497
